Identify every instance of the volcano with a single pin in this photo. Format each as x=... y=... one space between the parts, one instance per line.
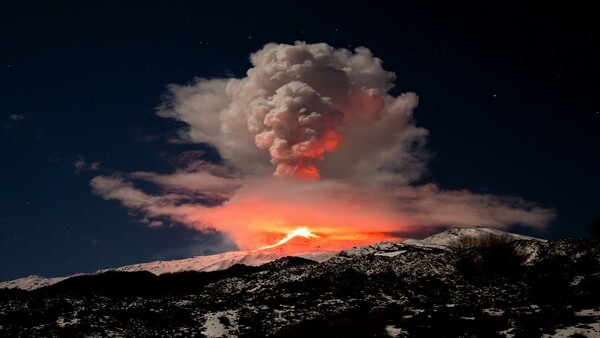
x=313 y=248
x=317 y=248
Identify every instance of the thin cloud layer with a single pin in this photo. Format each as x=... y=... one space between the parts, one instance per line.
x=262 y=209
x=312 y=138
x=82 y=165
x=12 y=120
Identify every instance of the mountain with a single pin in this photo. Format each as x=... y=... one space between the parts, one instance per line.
x=300 y=247
x=461 y=282
x=31 y=282
x=449 y=236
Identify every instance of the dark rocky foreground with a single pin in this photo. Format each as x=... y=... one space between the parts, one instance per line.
x=475 y=289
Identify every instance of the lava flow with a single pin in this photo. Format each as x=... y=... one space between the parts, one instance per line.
x=300 y=232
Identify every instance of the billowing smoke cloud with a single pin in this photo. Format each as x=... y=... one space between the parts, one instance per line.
x=310 y=137
x=310 y=111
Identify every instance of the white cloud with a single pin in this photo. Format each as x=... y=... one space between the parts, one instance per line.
x=11 y=120
x=15 y=117
x=82 y=165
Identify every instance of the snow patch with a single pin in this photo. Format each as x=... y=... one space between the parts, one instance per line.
x=394 y=331
x=493 y=312
x=588 y=312
x=220 y=324
x=507 y=333
x=585 y=330
x=390 y=254
x=61 y=322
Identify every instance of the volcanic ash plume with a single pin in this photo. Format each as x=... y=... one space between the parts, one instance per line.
x=313 y=144
x=297 y=105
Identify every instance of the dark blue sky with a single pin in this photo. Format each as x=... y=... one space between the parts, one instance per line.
x=509 y=95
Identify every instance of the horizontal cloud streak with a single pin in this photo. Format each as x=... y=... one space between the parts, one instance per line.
x=266 y=205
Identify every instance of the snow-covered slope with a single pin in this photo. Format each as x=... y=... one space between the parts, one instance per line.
x=218 y=261
x=199 y=263
x=441 y=240
x=448 y=236
x=31 y=282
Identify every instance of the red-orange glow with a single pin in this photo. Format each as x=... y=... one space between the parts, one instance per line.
x=303 y=172
x=264 y=212
x=303 y=158
x=331 y=140
x=308 y=172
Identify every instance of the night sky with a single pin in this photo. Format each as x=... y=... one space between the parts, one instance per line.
x=508 y=94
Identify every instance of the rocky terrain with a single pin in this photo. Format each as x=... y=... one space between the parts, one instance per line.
x=459 y=283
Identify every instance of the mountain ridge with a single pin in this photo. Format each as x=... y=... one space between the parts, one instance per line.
x=225 y=260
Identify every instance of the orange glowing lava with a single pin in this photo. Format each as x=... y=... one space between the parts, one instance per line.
x=300 y=232
x=320 y=239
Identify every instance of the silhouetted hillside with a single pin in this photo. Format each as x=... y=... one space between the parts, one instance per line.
x=116 y=283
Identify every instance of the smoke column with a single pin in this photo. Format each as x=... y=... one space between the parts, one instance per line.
x=298 y=105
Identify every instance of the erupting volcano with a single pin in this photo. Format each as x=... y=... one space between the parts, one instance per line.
x=311 y=136
x=302 y=240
